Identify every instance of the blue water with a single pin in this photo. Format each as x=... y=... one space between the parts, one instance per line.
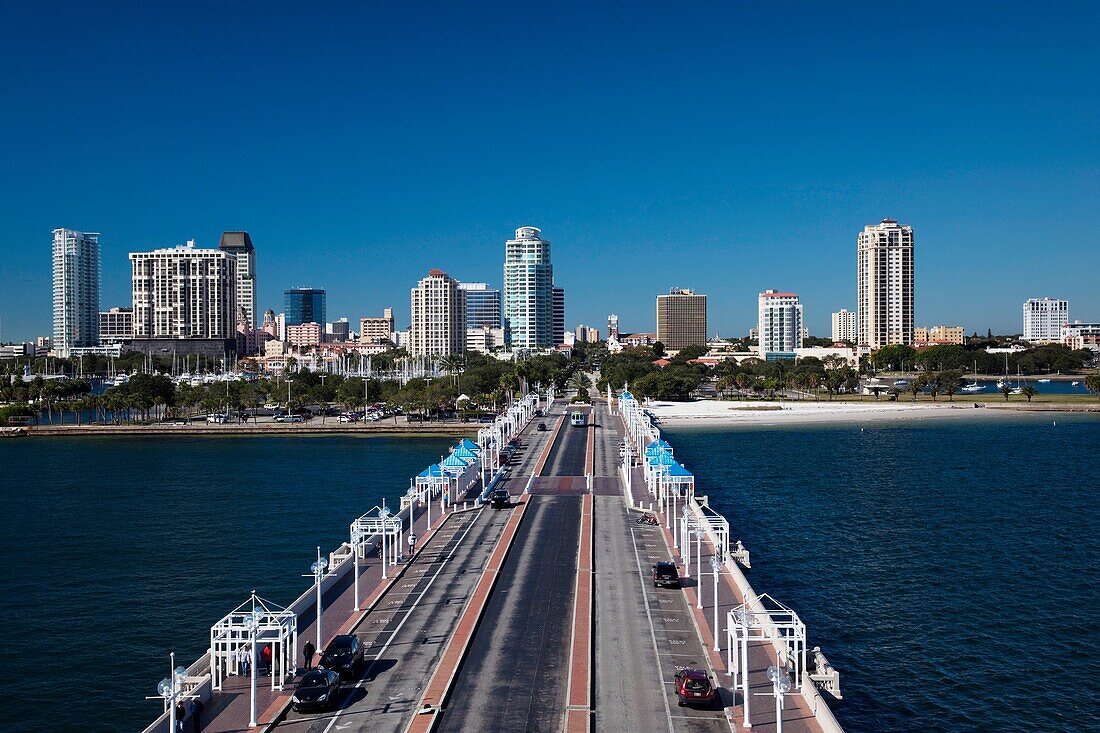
x=948 y=569
x=121 y=550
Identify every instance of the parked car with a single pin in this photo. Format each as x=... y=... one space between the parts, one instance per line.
x=665 y=574
x=317 y=690
x=500 y=499
x=345 y=654
x=291 y=418
x=693 y=687
x=347 y=418
x=217 y=418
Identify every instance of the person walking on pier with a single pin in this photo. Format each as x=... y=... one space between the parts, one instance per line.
x=196 y=714
x=309 y=650
x=244 y=661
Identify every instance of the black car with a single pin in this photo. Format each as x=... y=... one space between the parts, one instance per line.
x=317 y=690
x=541 y=427
x=500 y=499
x=666 y=574
x=345 y=654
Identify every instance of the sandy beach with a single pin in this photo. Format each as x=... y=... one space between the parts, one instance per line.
x=713 y=412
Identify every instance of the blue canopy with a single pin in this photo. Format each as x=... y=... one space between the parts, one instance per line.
x=432 y=471
x=626 y=396
x=470 y=445
x=664 y=459
x=463 y=452
x=677 y=469
x=656 y=448
x=453 y=461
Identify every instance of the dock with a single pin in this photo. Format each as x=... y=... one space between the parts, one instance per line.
x=539 y=616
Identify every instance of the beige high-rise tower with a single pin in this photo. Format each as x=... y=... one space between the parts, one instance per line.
x=681 y=319
x=885 y=284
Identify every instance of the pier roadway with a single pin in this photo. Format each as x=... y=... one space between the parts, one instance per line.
x=516 y=670
x=567 y=457
x=406 y=631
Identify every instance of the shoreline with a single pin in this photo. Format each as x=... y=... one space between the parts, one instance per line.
x=730 y=413
x=251 y=431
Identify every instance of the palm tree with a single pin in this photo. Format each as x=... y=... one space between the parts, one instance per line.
x=1092 y=383
x=452 y=365
x=580 y=382
x=1029 y=392
x=1006 y=390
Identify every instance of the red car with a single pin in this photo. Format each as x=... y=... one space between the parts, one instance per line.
x=693 y=687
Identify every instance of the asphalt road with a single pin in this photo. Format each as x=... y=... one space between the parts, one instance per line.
x=405 y=634
x=668 y=633
x=567 y=456
x=515 y=674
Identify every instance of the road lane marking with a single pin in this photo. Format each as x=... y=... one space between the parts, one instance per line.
x=393 y=634
x=649 y=618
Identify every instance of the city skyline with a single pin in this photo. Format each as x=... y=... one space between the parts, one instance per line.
x=994 y=162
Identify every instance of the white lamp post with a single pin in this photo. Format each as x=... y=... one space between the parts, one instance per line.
x=716 y=566
x=744 y=620
x=318 y=569
x=781 y=685
x=384 y=513
x=171 y=687
x=252 y=623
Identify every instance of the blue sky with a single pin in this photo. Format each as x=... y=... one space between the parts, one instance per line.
x=727 y=147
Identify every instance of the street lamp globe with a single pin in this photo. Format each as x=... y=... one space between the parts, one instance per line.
x=318 y=566
x=180 y=673
x=164 y=687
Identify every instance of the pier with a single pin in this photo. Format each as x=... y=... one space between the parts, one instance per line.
x=538 y=616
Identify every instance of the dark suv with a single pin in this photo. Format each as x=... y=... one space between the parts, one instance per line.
x=345 y=654
x=500 y=499
x=665 y=574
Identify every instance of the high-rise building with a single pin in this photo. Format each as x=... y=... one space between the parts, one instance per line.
x=559 y=315
x=75 y=290
x=482 y=305
x=780 y=324
x=586 y=334
x=239 y=245
x=885 y=284
x=438 y=316
x=304 y=305
x=184 y=292
x=1044 y=318
x=116 y=325
x=373 y=330
x=681 y=319
x=528 y=291
x=844 y=326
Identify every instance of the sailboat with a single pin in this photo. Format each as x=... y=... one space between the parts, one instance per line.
x=973 y=386
x=1019 y=388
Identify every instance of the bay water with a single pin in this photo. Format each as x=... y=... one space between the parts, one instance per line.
x=947 y=568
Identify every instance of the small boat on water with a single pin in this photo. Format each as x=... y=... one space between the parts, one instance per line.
x=973 y=386
x=1074 y=384
x=1044 y=381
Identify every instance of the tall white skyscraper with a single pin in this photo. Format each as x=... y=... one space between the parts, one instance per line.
x=184 y=292
x=780 y=324
x=75 y=290
x=239 y=245
x=1044 y=318
x=885 y=284
x=438 y=324
x=528 y=291
x=844 y=326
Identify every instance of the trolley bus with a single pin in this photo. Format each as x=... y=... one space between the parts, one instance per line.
x=576 y=419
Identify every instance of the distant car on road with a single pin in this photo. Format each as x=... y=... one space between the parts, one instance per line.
x=665 y=574
x=289 y=418
x=500 y=499
x=317 y=690
x=693 y=687
x=217 y=418
x=345 y=654
x=541 y=427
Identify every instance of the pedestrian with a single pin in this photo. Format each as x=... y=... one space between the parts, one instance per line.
x=309 y=650
x=181 y=712
x=244 y=663
x=196 y=714
x=266 y=653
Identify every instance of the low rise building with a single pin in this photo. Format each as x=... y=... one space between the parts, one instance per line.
x=304 y=334
x=936 y=335
x=1079 y=335
x=373 y=330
